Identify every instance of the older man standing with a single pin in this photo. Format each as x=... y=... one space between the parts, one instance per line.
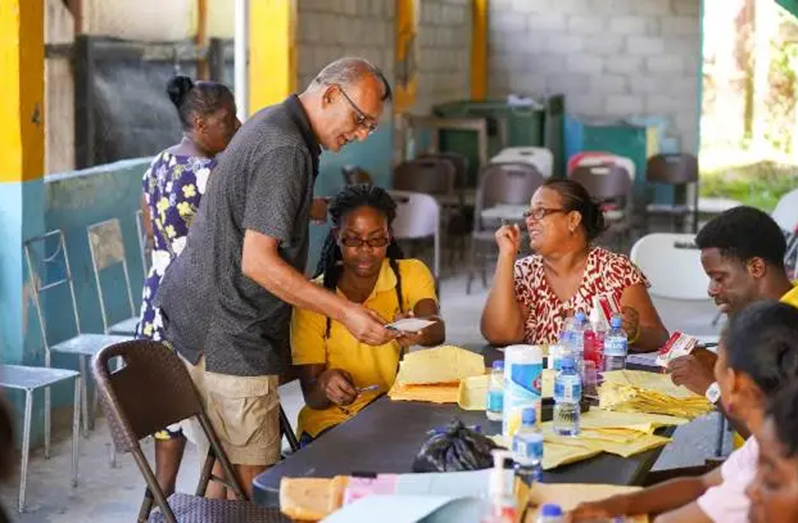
x=227 y=299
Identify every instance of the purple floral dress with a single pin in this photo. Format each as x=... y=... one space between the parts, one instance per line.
x=173 y=187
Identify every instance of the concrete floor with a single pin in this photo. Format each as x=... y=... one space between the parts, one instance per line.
x=106 y=495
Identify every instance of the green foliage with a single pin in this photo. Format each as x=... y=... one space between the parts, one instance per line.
x=760 y=185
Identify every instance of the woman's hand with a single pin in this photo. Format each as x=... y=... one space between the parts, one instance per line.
x=337 y=386
x=508 y=238
x=630 y=322
x=408 y=339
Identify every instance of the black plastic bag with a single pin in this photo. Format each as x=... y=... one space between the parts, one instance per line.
x=457 y=448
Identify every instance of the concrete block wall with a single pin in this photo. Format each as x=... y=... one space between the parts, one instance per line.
x=330 y=29
x=444 y=52
x=612 y=58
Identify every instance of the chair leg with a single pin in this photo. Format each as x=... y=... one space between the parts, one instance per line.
x=84 y=400
x=288 y=432
x=205 y=475
x=471 y=256
x=76 y=432
x=23 y=478
x=47 y=428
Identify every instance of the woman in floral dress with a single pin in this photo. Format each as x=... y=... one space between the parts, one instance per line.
x=173 y=187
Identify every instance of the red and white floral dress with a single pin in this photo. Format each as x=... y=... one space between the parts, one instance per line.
x=605 y=273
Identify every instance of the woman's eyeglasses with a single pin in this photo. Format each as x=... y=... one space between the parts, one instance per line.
x=356 y=243
x=540 y=213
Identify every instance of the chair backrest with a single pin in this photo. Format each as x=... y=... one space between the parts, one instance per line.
x=460 y=163
x=107 y=250
x=673 y=169
x=354 y=175
x=605 y=182
x=151 y=390
x=145 y=247
x=417 y=216
x=672 y=264
x=507 y=183
x=432 y=175
x=42 y=260
x=786 y=212
x=591 y=158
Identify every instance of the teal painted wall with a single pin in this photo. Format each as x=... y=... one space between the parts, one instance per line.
x=73 y=201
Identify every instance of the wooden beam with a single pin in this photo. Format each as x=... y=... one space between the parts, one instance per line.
x=272 y=52
x=479 y=49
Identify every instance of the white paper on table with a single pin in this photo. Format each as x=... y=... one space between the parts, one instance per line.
x=410 y=509
x=409 y=324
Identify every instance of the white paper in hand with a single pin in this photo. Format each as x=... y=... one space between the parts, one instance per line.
x=409 y=324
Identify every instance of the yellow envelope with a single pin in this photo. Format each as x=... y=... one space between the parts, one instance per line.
x=650 y=381
x=473 y=392
x=640 y=421
x=444 y=364
x=444 y=393
x=556 y=455
x=568 y=496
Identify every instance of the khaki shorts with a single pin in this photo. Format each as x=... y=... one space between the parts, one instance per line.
x=244 y=412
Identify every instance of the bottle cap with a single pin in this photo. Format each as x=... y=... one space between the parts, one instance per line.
x=498 y=365
x=551 y=510
x=616 y=322
x=580 y=317
x=567 y=363
x=529 y=416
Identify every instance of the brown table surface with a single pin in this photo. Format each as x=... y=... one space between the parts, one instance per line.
x=385 y=437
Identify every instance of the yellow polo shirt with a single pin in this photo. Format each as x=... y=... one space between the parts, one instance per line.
x=367 y=364
x=791 y=296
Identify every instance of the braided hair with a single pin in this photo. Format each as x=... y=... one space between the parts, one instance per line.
x=346 y=201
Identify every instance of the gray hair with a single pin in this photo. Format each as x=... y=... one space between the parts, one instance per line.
x=347 y=71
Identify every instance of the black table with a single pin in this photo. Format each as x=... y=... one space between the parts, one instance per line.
x=385 y=437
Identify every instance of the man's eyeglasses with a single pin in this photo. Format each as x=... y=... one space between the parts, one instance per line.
x=374 y=243
x=542 y=212
x=362 y=119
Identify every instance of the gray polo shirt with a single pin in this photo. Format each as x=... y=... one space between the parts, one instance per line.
x=263 y=182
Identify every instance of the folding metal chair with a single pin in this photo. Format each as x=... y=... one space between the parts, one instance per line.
x=153 y=390
x=82 y=345
x=145 y=246
x=108 y=250
x=31 y=379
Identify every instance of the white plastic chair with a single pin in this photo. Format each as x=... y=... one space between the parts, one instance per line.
x=108 y=250
x=786 y=215
x=672 y=264
x=418 y=216
x=540 y=157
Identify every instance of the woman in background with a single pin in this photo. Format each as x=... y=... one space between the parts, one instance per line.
x=173 y=187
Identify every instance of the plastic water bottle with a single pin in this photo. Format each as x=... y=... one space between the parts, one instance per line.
x=567 y=394
x=550 y=513
x=495 y=398
x=594 y=338
x=616 y=346
x=565 y=347
x=579 y=339
x=528 y=449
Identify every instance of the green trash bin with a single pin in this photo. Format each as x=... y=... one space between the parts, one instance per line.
x=525 y=126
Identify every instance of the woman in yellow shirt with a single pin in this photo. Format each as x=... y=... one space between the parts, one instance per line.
x=362 y=262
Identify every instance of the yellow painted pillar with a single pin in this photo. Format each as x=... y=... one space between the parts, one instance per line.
x=272 y=52
x=22 y=85
x=21 y=163
x=479 y=49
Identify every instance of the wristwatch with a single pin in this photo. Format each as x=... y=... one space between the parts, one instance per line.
x=713 y=393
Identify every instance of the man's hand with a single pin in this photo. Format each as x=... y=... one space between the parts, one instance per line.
x=508 y=238
x=318 y=210
x=337 y=386
x=606 y=508
x=693 y=371
x=630 y=322
x=366 y=325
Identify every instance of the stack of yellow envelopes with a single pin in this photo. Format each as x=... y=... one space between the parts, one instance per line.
x=434 y=375
x=638 y=391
